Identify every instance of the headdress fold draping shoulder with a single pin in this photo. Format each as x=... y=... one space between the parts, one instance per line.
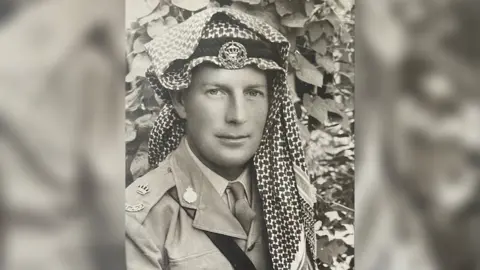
x=282 y=179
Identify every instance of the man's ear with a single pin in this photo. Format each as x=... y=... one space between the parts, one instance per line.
x=178 y=102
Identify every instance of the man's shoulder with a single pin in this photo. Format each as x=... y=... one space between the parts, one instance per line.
x=146 y=191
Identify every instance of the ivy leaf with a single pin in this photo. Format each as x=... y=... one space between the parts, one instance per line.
x=150 y=99
x=191 y=5
x=133 y=100
x=304 y=133
x=345 y=37
x=291 y=87
x=332 y=90
x=341 y=7
x=320 y=109
x=139 y=66
x=130 y=132
x=324 y=232
x=317 y=225
x=299 y=32
x=309 y=8
x=250 y=2
x=292 y=59
x=349 y=237
x=346 y=5
x=349 y=75
x=145 y=122
x=163 y=11
x=320 y=46
x=143 y=146
x=267 y=14
x=170 y=21
x=156 y=28
x=336 y=247
x=285 y=7
x=135 y=9
x=349 y=240
x=326 y=62
x=317 y=29
x=139 y=43
x=333 y=20
x=322 y=255
x=139 y=164
x=332 y=215
x=315 y=108
x=345 y=123
x=295 y=20
x=308 y=72
x=322 y=240
x=308 y=102
x=157 y=14
x=334 y=107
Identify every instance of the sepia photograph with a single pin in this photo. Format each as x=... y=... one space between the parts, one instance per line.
x=223 y=134
x=239 y=134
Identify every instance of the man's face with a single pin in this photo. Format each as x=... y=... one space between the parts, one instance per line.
x=226 y=111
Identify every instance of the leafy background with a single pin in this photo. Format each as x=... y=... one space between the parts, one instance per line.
x=321 y=76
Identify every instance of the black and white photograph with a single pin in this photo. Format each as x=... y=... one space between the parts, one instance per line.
x=239 y=134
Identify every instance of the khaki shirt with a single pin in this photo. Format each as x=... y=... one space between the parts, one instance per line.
x=160 y=234
x=220 y=184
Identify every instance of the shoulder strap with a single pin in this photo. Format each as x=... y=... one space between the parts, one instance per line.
x=227 y=246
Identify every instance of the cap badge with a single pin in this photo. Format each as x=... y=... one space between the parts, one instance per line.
x=232 y=55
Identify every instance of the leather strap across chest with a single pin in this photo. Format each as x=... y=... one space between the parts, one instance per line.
x=227 y=246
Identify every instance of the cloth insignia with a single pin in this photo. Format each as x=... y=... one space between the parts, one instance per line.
x=143 y=189
x=134 y=208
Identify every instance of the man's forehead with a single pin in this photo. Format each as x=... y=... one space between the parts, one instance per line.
x=207 y=75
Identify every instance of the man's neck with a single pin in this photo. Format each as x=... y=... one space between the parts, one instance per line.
x=228 y=173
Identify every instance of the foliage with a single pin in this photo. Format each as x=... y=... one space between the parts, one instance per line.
x=321 y=76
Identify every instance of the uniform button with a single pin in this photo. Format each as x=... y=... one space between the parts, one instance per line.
x=169 y=169
x=251 y=247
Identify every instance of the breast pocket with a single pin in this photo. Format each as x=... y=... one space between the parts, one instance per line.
x=212 y=260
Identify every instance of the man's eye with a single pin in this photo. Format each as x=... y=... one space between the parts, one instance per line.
x=214 y=92
x=255 y=93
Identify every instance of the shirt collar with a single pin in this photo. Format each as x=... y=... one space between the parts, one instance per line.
x=219 y=183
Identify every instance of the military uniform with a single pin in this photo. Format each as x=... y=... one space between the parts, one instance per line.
x=160 y=234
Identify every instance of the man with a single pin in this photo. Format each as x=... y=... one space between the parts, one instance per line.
x=230 y=189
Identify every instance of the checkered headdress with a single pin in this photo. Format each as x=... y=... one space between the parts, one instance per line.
x=232 y=39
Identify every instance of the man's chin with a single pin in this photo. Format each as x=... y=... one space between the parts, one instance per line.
x=229 y=161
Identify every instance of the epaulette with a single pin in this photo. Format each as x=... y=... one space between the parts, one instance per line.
x=145 y=192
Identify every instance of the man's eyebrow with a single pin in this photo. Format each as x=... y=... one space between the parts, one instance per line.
x=214 y=84
x=259 y=85
x=221 y=85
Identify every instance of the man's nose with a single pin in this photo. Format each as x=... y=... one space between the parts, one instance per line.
x=237 y=110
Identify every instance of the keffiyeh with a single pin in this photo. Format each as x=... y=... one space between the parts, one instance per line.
x=279 y=162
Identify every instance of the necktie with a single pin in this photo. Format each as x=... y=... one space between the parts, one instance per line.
x=241 y=207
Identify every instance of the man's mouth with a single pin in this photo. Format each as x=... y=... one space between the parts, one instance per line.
x=233 y=138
